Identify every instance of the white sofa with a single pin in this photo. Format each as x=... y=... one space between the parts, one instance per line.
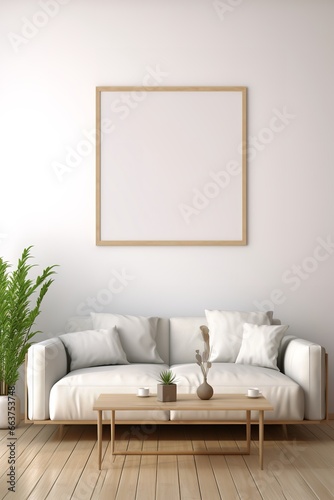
x=66 y=373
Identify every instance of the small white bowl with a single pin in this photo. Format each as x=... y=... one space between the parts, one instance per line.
x=253 y=392
x=143 y=392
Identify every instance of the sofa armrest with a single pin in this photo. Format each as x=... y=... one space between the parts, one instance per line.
x=46 y=364
x=305 y=363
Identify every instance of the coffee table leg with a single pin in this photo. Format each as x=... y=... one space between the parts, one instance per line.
x=261 y=433
x=99 y=437
x=112 y=432
x=248 y=430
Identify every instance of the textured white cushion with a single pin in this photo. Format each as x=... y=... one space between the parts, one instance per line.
x=185 y=338
x=260 y=344
x=137 y=334
x=94 y=348
x=226 y=331
x=73 y=396
x=285 y=395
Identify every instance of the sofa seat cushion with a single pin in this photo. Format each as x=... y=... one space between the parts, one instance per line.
x=285 y=395
x=73 y=396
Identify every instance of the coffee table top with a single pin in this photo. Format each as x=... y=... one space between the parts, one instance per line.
x=183 y=402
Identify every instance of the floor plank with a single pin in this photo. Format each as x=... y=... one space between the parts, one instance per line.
x=55 y=463
x=127 y=488
x=107 y=485
x=224 y=480
x=206 y=477
x=311 y=466
x=69 y=476
x=167 y=473
x=147 y=480
x=31 y=461
x=60 y=464
x=189 y=486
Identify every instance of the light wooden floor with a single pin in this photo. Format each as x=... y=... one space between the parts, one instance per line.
x=62 y=464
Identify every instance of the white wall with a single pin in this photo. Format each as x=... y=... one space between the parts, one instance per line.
x=282 y=51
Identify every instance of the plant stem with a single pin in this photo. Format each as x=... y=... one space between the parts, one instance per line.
x=3 y=388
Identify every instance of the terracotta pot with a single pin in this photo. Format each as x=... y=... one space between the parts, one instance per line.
x=9 y=411
x=166 y=393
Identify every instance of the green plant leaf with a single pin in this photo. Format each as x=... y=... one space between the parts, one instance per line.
x=20 y=303
x=167 y=377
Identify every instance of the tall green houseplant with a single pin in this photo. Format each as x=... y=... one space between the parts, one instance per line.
x=18 y=314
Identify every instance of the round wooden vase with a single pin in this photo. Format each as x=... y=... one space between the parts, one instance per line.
x=205 y=390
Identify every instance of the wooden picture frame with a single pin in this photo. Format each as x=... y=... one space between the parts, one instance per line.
x=171 y=166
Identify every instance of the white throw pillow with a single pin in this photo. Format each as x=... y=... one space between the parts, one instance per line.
x=226 y=329
x=260 y=344
x=137 y=334
x=94 y=348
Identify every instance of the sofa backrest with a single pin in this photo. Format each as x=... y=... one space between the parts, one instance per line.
x=185 y=338
x=177 y=338
x=163 y=339
x=81 y=323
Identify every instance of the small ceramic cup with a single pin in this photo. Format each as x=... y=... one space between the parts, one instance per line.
x=143 y=391
x=253 y=392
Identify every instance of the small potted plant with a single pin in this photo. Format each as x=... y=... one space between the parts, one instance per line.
x=166 y=389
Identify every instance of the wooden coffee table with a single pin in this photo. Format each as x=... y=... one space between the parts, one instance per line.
x=190 y=402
